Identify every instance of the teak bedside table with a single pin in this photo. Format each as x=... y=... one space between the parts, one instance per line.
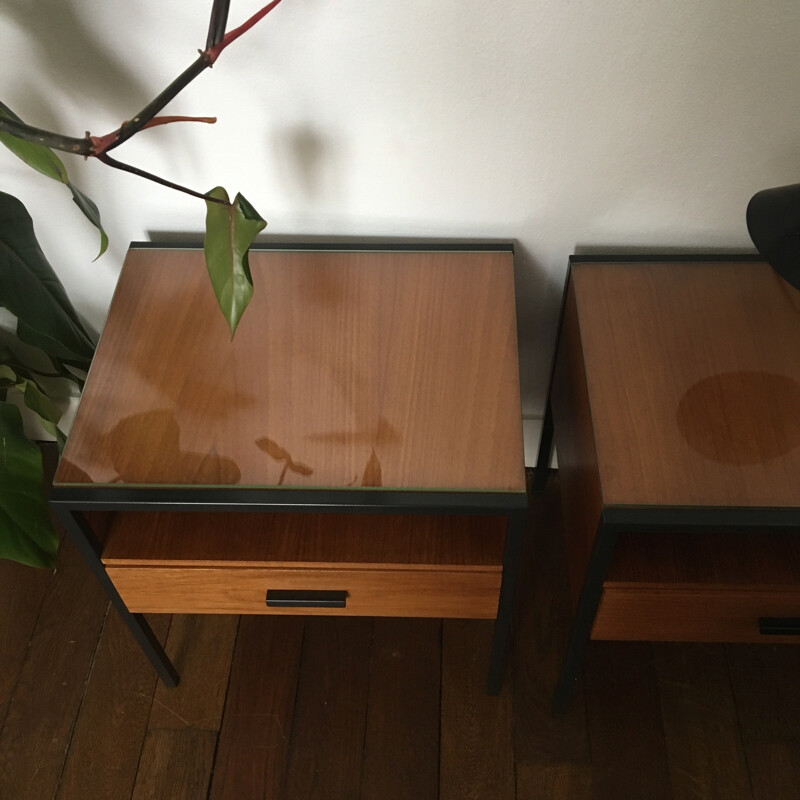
x=367 y=414
x=675 y=401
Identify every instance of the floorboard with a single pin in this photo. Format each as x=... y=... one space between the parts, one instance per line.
x=401 y=747
x=107 y=741
x=327 y=739
x=477 y=751
x=704 y=744
x=294 y=708
x=257 y=722
x=47 y=696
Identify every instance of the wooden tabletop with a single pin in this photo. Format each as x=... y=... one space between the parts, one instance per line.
x=349 y=369
x=693 y=374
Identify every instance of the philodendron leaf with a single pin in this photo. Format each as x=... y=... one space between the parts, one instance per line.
x=31 y=291
x=44 y=160
x=91 y=212
x=26 y=533
x=230 y=230
x=41 y=158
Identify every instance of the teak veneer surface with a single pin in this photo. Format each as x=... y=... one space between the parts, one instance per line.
x=693 y=374
x=366 y=540
x=378 y=369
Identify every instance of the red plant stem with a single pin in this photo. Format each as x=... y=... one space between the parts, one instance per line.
x=232 y=36
x=102 y=143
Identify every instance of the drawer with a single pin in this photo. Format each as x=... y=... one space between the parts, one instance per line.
x=693 y=613
x=464 y=593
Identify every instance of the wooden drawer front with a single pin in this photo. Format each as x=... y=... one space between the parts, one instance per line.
x=470 y=594
x=686 y=614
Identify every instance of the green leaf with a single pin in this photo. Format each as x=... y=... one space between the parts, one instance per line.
x=37 y=401
x=44 y=160
x=230 y=230
x=30 y=289
x=91 y=212
x=41 y=158
x=26 y=533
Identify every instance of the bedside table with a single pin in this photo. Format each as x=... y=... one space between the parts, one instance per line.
x=367 y=415
x=675 y=402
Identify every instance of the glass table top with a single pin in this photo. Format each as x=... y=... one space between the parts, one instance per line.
x=385 y=369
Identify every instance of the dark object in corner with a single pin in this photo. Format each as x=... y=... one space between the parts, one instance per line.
x=773 y=219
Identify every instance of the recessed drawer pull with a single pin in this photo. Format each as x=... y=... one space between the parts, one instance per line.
x=298 y=598
x=779 y=626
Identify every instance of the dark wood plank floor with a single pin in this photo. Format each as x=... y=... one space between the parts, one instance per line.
x=378 y=709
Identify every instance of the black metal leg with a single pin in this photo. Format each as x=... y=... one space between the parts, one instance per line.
x=83 y=537
x=505 y=607
x=602 y=550
x=545 y=449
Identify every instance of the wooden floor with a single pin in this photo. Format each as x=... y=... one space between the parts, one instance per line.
x=378 y=709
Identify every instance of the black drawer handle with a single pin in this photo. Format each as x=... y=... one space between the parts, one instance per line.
x=779 y=626
x=304 y=598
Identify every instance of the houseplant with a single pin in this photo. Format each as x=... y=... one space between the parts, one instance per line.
x=56 y=344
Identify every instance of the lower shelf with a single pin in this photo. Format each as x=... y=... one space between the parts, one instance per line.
x=386 y=565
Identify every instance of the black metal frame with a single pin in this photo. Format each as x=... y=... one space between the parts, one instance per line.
x=644 y=519
x=70 y=501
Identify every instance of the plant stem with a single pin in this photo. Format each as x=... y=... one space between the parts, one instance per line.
x=233 y=35
x=138 y=122
x=204 y=60
x=112 y=162
x=69 y=144
x=217 y=23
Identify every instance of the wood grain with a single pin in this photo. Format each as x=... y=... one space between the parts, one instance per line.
x=468 y=594
x=50 y=686
x=629 y=756
x=700 y=356
x=401 y=745
x=107 y=740
x=24 y=589
x=201 y=649
x=175 y=764
x=257 y=722
x=579 y=478
x=401 y=365
x=477 y=747
x=327 y=742
x=692 y=614
x=280 y=539
x=704 y=747
x=767 y=696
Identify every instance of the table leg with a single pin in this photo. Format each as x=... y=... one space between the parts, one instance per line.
x=505 y=607
x=545 y=449
x=604 y=541
x=81 y=534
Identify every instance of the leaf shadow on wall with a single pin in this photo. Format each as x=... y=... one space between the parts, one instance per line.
x=73 y=57
x=309 y=165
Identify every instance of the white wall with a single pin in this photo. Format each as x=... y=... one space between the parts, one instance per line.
x=563 y=124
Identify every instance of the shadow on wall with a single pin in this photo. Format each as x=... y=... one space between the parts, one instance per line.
x=309 y=163
x=67 y=47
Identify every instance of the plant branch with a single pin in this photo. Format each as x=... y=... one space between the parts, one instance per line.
x=102 y=143
x=203 y=61
x=217 y=23
x=69 y=144
x=112 y=162
x=233 y=35
x=138 y=122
